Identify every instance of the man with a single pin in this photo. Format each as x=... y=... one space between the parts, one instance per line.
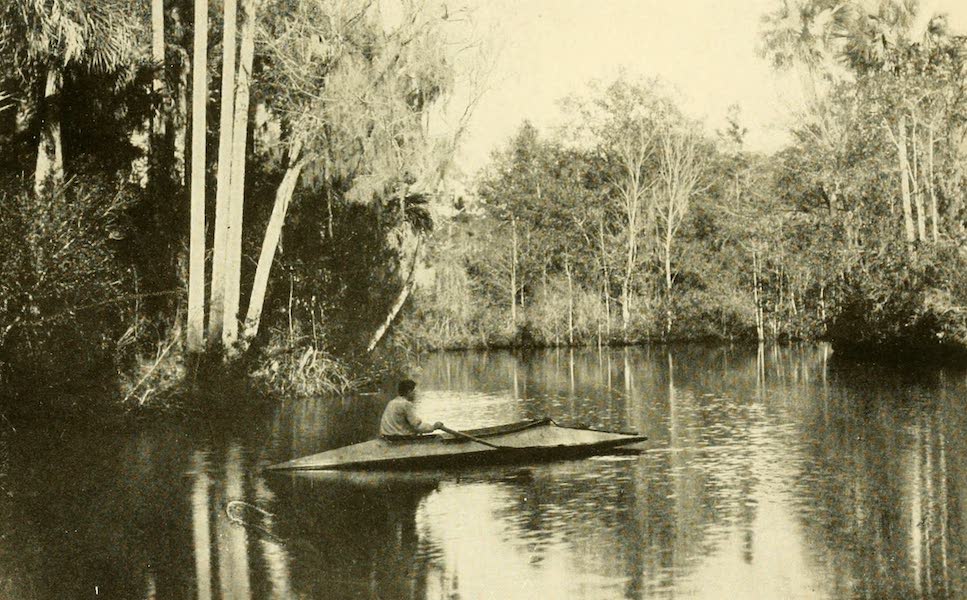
x=399 y=417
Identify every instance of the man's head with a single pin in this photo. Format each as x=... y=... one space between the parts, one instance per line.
x=406 y=388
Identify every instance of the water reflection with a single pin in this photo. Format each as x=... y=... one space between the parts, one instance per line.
x=200 y=506
x=770 y=473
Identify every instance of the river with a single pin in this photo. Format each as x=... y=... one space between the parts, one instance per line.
x=772 y=474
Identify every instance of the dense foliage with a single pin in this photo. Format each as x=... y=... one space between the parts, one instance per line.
x=614 y=230
x=94 y=206
x=629 y=224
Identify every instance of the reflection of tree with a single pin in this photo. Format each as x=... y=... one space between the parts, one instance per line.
x=351 y=540
x=93 y=510
x=200 y=526
x=859 y=472
x=880 y=494
x=232 y=539
x=309 y=425
x=744 y=440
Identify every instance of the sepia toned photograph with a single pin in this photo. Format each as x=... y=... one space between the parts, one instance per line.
x=483 y=299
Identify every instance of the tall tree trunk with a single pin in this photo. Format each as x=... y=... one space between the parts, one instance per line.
x=921 y=217
x=513 y=275
x=233 y=245
x=606 y=279
x=400 y=300
x=158 y=57
x=629 y=270
x=196 y=268
x=180 y=121
x=759 y=325
x=625 y=306
x=668 y=259
x=633 y=164
x=178 y=118
x=570 y=303
x=669 y=235
x=822 y=307
x=931 y=185
x=522 y=288
x=901 y=144
x=270 y=243
x=216 y=305
x=50 y=153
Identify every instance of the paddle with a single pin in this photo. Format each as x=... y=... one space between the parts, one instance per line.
x=467 y=436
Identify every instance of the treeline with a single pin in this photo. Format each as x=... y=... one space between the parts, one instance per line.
x=154 y=154
x=631 y=224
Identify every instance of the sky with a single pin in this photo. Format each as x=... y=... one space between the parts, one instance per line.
x=705 y=49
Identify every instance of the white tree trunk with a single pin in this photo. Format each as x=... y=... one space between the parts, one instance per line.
x=50 y=156
x=625 y=306
x=513 y=275
x=270 y=243
x=233 y=245
x=400 y=300
x=669 y=316
x=759 y=325
x=629 y=273
x=196 y=268
x=158 y=56
x=180 y=120
x=921 y=216
x=225 y=136
x=179 y=113
x=606 y=279
x=934 y=214
x=570 y=303
x=901 y=144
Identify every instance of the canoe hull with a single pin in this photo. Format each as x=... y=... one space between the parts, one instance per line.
x=528 y=441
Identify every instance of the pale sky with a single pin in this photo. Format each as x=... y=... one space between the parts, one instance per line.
x=706 y=49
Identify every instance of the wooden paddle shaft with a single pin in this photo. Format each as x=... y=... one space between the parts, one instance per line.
x=467 y=436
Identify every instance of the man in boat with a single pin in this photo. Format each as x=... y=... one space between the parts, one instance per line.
x=399 y=416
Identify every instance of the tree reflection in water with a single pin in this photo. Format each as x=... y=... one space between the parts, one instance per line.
x=776 y=472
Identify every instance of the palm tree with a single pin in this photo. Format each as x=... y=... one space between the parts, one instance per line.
x=235 y=199
x=879 y=35
x=43 y=38
x=225 y=127
x=887 y=37
x=199 y=102
x=800 y=34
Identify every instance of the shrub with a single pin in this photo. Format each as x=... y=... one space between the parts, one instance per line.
x=290 y=366
x=896 y=303
x=60 y=282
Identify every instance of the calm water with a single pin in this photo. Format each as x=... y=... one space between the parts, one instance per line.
x=778 y=474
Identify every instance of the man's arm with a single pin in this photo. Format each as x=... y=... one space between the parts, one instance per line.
x=416 y=423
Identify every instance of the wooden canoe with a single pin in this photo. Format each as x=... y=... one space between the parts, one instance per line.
x=524 y=441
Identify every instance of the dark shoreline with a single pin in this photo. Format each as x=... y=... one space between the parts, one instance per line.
x=225 y=398
x=886 y=353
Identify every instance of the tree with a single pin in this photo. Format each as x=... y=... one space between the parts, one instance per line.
x=885 y=45
x=236 y=199
x=158 y=57
x=196 y=268
x=45 y=38
x=799 y=34
x=515 y=195
x=681 y=168
x=621 y=122
x=224 y=176
x=352 y=97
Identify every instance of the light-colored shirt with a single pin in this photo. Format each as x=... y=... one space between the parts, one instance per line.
x=399 y=418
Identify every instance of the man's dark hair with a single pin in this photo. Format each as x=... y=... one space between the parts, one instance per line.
x=406 y=386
